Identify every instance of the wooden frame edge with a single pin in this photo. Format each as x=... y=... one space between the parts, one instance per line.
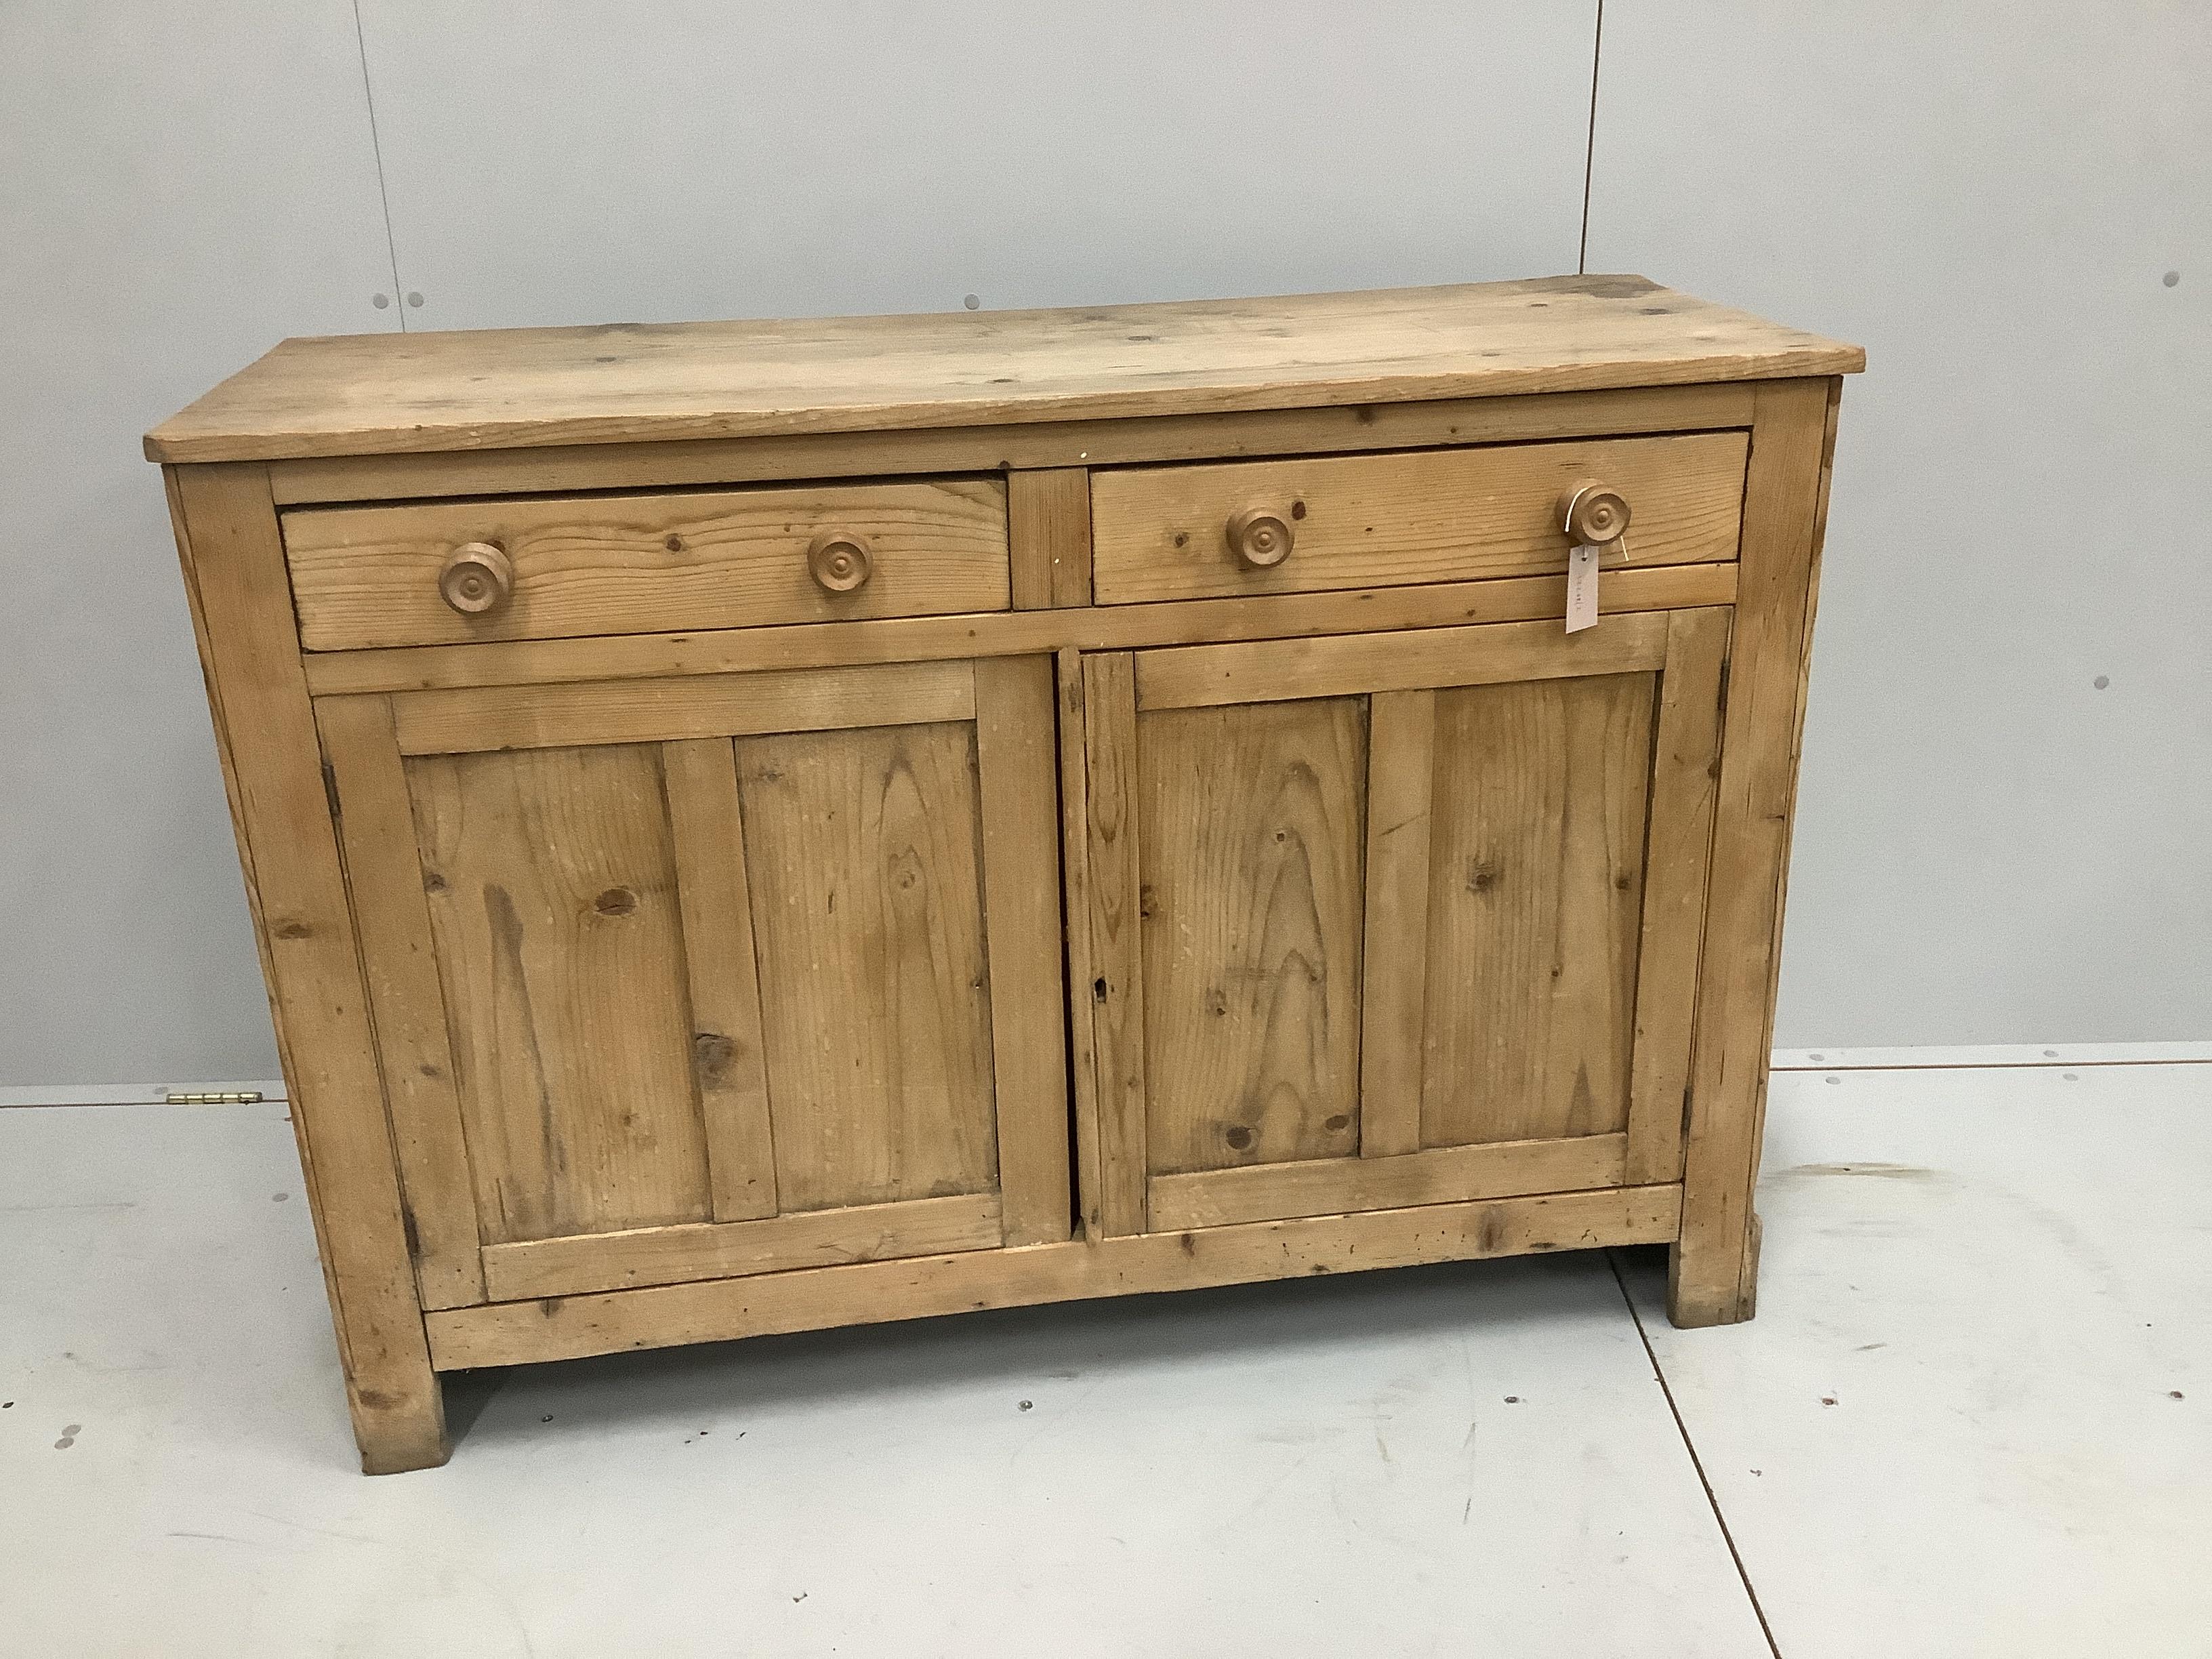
x=236 y=583
x=815 y=1298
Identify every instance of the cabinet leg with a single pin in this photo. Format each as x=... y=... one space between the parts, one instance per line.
x=399 y=1423
x=1713 y=1281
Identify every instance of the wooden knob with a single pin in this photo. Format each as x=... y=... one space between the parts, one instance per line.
x=1594 y=513
x=840 y=560
x=477 y=578
x=1259 y=536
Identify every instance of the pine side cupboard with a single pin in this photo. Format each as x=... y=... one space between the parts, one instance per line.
x=761 y=826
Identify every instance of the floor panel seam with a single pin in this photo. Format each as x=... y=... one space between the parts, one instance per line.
x=1712 y=1499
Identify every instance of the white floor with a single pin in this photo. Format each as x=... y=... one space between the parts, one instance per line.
x=1974 y=1417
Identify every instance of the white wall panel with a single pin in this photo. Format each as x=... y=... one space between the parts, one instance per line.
x=180 y=188
x=2007 y=797
x=586 y=162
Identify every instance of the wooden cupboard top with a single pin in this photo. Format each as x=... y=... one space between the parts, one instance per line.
x=377 y=394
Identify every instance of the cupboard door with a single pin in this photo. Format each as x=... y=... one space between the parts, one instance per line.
x=693 y=977
x=1388 y=920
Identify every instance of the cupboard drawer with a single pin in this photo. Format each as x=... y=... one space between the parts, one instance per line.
x=1387 y=521
x=558 y=566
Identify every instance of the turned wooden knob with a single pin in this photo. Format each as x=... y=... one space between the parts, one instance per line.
x=1259 y=536
x=840 y=560
x=1594 y=514
x=477 y=578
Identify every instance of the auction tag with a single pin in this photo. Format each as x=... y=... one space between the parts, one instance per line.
x=1582 y=587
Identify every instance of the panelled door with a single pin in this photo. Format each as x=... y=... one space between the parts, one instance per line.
x=1389 y=919
x=680 y=978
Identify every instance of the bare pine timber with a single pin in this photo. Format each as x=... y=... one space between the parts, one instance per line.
x=568 y=1328
x=1711 y=1280
x=265 y=733
x=759 y=826
x=380 y=394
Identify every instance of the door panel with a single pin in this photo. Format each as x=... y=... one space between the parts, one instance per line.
x=552 y=889
x=1433 y=941
x=1536 y=892
x=713 y=998
x=1250 y=821
x=868 y=907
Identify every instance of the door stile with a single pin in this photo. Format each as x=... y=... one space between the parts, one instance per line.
x=1015 y=761
x=1401 y=777
x=407 y=1011
x=729 y=1062
x=1116 y=993
x=1684 y=756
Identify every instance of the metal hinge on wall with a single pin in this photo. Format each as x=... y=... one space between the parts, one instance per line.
x=212 y=1097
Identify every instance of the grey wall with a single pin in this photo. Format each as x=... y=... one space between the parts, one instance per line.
x=1990 y=849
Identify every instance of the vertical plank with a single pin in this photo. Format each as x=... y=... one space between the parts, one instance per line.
x=1021 y=910
x=863 y=849
x=1048 y=535
x=242 y=604
x=1251 y=822
x=1676 y=850
x=1710 y=1276
x=1401 y=768
x=1534 y=893
x=552 y=892
x=1116 y=942
x=376 y=838
x=1075 y=858
x=729 y=1065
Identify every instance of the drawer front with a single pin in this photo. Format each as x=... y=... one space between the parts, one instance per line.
x=561 y=566
x=1432 y=515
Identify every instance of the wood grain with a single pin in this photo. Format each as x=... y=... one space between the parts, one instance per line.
x=1252 y=824
x=1413 y=516
x=673 y=1255
x=241 y=607
x=475 y=719
x=1198 y=675
x=1015 y=758
x=552 y=896
x=1400 y=776
x=1075 y=858
x=1711 y=1280
x=1116 y=991
x=376 y=833
x=521 y=1332
x=1685 y=762
x=1445 y=1174
x=406 y=393
x=868 y=918
x=1532 y=417
x=1534 y=895
x=1049 y=528
x=729 y=1063
x=526 y=662
x=367 y=576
